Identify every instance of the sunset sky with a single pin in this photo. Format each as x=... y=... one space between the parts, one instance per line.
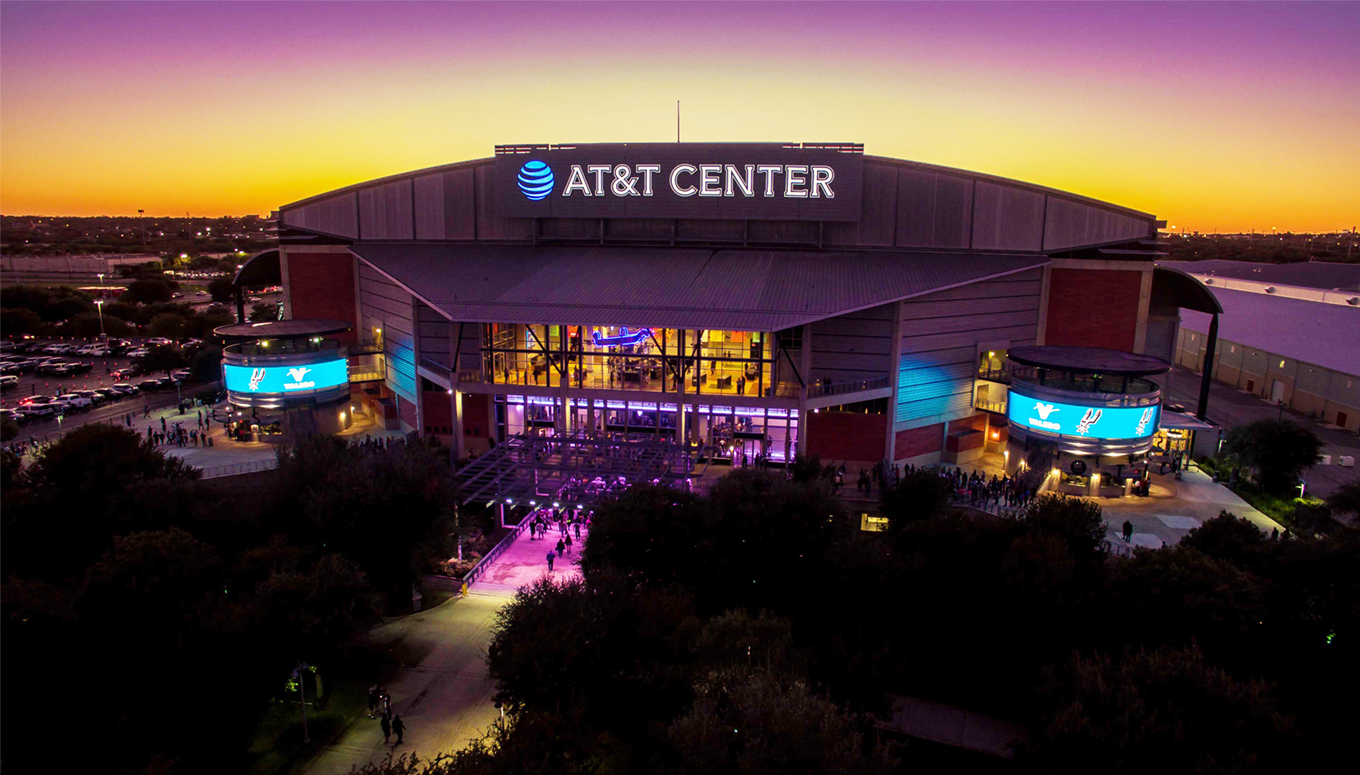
x=1214 y=116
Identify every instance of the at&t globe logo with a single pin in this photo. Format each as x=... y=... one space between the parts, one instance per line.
x=536 y=180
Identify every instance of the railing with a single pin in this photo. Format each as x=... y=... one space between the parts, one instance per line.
x=820 y=389
x=435 y=366
x=476 y=571
x=235 y=469
x=998 y=407
x=1118 y=549
x=365 y=347
x=996 y=375
x=366 y=376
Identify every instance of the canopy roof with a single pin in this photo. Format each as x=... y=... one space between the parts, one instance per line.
x=1088 y=360
x=746 y=290
x=283 y=329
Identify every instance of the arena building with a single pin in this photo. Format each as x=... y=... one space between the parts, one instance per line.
x=760 y=300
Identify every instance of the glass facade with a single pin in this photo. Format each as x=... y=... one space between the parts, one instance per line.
x=739 y=434
x=729 y=363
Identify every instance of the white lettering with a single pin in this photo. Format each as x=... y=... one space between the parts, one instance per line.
x=794 y=176
x=599 y=170
x=576 y=181
x=733 y=175
x=624 y=184
x=675 y=176
x=647 y=171
x=709 y=182
x=769 y=171
x=822 y=176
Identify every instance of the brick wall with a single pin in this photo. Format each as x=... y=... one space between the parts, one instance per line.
x=846 y=436
x=919 y=441
x=438 y=411
x=321 y=285
x=1093 y=308
x=476 y=415
x=406 y=410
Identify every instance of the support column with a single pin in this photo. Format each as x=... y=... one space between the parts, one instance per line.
x=681 y=430
x=805 y=366
x=562 y=423
x=415 y=350
x=455 y=399
x=1208 y=367
x=894 y=375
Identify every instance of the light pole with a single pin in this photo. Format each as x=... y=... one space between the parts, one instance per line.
x=141 y=220
x=298 y=673
x=99 y=305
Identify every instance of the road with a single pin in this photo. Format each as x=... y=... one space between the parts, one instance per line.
x=1230 y=407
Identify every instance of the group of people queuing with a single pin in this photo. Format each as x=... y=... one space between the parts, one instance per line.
x=566 y=522
x=380 y=707
x=1000 y=492
x=176 y=434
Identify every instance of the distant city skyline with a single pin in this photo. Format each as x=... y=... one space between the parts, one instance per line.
x=1221 y=117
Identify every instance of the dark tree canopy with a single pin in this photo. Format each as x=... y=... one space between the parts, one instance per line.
x=1277 y=450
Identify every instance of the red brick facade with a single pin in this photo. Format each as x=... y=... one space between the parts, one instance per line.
x=919 y=441
x=476 y=415
x=846 y=436
x=438 y=411
x=321 y=285
x=1093 y=308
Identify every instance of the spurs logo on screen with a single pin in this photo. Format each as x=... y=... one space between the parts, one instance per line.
x=256 y=377
x=1143 y=421
x=1091 y=417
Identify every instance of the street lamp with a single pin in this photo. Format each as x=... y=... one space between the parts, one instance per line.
x=99 y=305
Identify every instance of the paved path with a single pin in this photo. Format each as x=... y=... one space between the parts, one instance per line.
x=443 y=690
x=1175 y=507
x=953 y=726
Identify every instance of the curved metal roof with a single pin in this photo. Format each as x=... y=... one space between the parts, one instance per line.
x=282 y=329
x=260 y=269
x=1173 y=287
x=1088 y=360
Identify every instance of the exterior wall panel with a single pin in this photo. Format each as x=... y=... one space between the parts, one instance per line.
x=1007 y=218
x=385 y=211
x=321 y=285
x=1093 y=308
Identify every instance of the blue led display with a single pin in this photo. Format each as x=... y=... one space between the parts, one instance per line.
x=535 y=180
x=285 y=378
x=1094 y=422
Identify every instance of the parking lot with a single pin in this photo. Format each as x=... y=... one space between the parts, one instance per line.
x=104 y=372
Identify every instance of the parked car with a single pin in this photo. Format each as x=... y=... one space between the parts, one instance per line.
x=140 y=352
x=95 y=396
x=109 y=394
x=159 y=341
x=201 y=293
x=58 y=349
x=126 y=389
x=8 y=382
x=54 y=369
x=74 y=401
x=122 y=374
x=15 y=415
x=180 y=374
x=149 y=384
x=43 y=407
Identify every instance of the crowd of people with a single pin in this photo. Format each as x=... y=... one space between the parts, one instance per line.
x=566 y=521
x=380 y=708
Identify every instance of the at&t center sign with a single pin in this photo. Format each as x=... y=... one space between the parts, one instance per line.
x=756 y=181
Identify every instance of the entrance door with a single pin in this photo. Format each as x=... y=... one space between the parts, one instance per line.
x=1251 y=386
x=1341 y=419
x=1277 y=391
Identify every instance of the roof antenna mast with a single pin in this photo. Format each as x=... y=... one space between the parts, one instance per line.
x=677 y=121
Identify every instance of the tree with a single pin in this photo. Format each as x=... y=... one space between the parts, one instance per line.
x=919 y=494
x=163 y=359
x=8 y=429
x=1161 y=710
x=308 y=613
x=264 y=311
x=1079 y=523
x=89 y=325
x=1346 y=499
x=206 y=365
x=166 y=324
x=1227 y=537
x=755 y=722
x=1277 y=450
x=19 y=320
x=221 y=289
x=149 y=291
x=337 y=496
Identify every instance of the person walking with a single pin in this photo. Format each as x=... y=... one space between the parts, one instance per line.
x=399 y=727
x=567 y=540
x=560 y=547
x=372 y=700
x=578 y=531
x=551 y=557
x=386 y=728
x=1128 y=531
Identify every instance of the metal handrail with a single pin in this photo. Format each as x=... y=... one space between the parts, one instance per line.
x=235 y=469
x=818 y=389
x=998 y=407
x=476 y=571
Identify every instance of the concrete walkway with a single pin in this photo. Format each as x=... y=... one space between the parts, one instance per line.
x=953 y=726
x=443 y=689
x=1174 y=508
x=442 y=692
x=526 y=561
